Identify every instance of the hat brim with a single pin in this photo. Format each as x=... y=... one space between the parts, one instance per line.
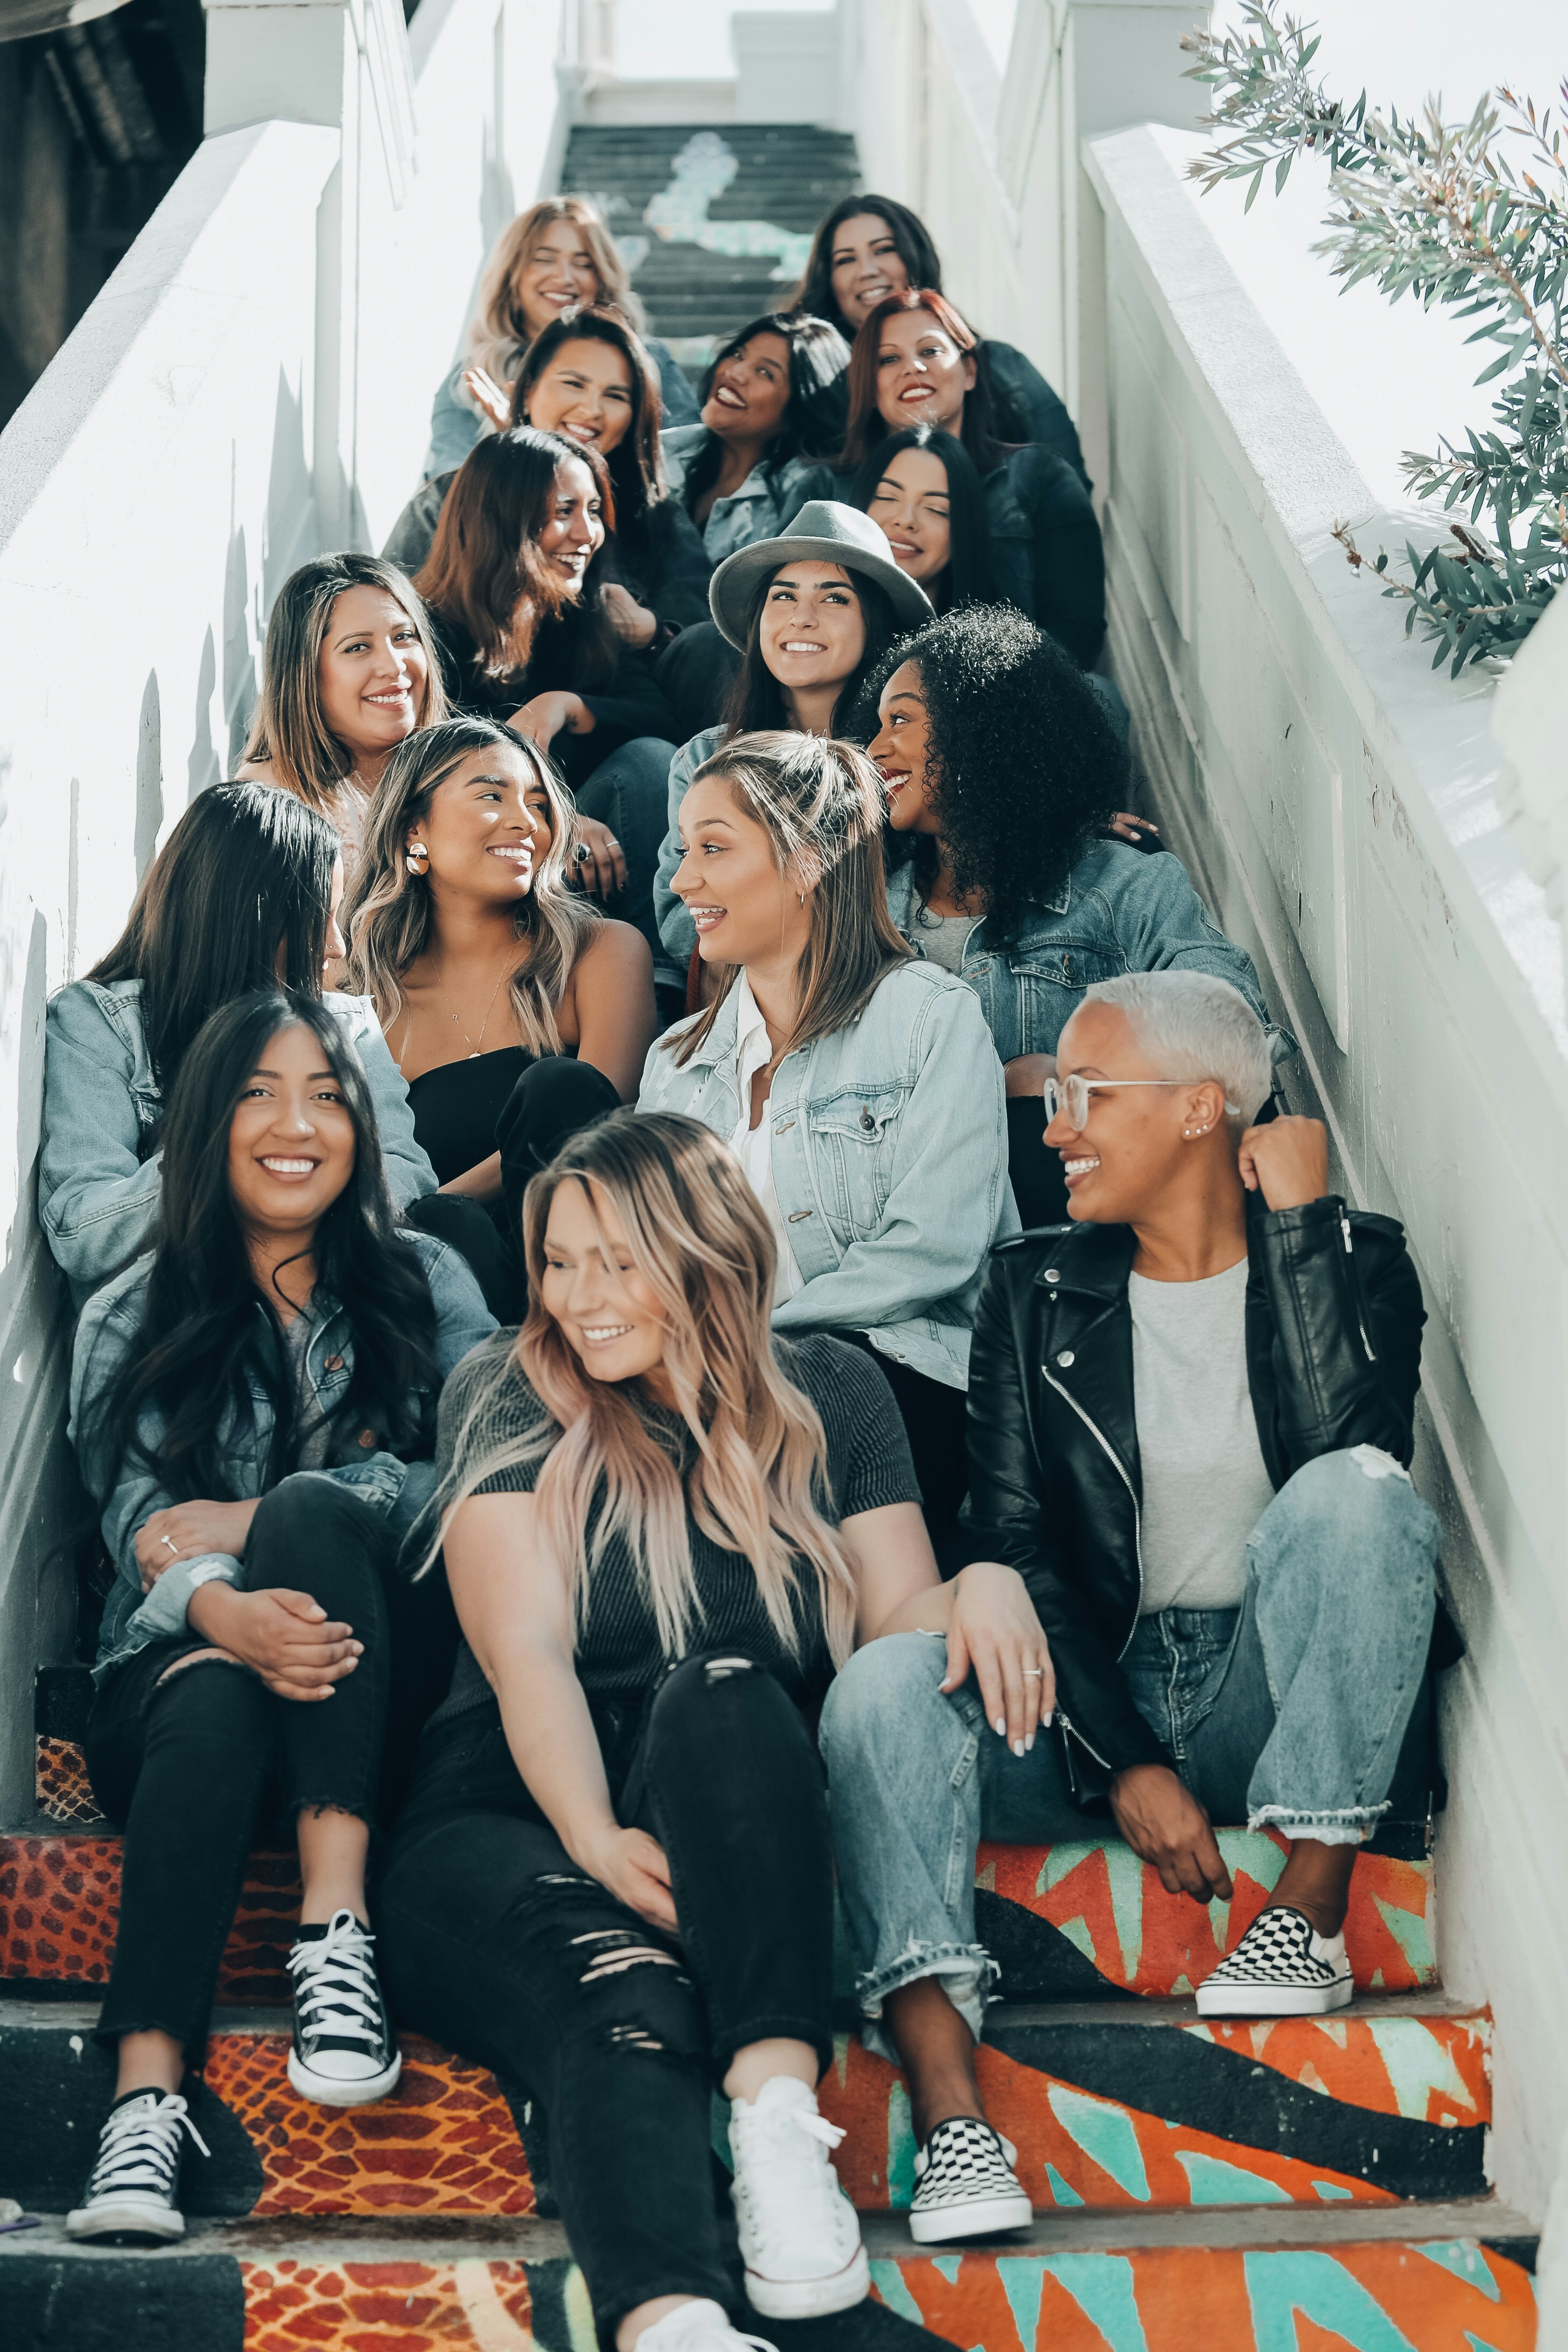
x=733 y=586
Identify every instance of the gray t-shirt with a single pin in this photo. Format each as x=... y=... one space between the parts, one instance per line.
x=313 y=1451
x=943 y=938
x=1205 y=1484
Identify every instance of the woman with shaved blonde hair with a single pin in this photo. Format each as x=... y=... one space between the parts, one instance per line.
x=556 y=256
x=664 y=1529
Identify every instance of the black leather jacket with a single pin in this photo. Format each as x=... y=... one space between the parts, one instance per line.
x=1333 y=1359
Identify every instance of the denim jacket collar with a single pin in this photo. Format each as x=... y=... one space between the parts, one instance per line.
x=902 y=902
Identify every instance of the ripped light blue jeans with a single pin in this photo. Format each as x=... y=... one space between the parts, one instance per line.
x=1290 y=1711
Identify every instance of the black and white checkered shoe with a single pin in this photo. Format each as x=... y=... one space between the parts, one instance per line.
x=965 y=2186
x=1281 y=1968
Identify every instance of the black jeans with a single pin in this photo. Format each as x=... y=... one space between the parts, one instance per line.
x=552 y=1100
x=190 y=1766
x=495 y=1941
x=1039 y=1187
x=629 y=791
x=695 y=674
x=935 y=1419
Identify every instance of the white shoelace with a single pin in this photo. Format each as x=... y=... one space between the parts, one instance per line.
x=139 y=2148
x=336 y=1994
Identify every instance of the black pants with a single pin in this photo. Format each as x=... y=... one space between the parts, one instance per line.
x=935 y=1419
x=1039 y=1187
x=552 y=1100
x=495 y=1941
x=629 y=791
x=695 y=674
x=190 y=1766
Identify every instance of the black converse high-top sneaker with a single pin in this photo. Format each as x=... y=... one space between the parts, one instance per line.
x=132 y=2195
x=345 y=2053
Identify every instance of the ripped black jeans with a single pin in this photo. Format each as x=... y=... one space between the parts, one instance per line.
x=192 y=1766
x=494 y=1941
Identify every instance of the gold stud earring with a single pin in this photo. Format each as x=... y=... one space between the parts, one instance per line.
x=417 y=858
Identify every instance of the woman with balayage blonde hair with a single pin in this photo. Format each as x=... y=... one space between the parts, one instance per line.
x=556 y=256
x=515 y=1011
x=349 y=668
x=666 y=1529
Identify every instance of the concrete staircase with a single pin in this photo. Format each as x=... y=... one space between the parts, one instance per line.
x=715 y=223
x=1301 y=2186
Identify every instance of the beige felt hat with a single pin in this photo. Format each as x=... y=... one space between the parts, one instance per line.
x=839 y=534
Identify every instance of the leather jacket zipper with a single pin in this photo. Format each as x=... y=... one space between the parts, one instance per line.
x=1355 y=1283
x=1113 y=1457
x=1070 y=1725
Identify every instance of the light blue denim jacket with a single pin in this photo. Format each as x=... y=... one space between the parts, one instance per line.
x=889 y=1161
x=766 y=503
x=98 y=1196
x=1120 y=909
x=455 y=426
x=129 y=1493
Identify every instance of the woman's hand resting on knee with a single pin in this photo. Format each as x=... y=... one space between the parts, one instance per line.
x=188 y=1531
x=636 y=1870
x=284 y=1637
x=993 y=1630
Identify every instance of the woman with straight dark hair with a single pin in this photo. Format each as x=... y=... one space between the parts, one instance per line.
x=772 y=410
x=921 y=489
x=857 y=1083
x=869 y=247
x=917 y=361
x=349 y=668
x=514 y=585
x=517 y=1011
x=589 y=378
x=1001 y=770
x=810 y=617
x=556 y=256
x=666 y=1527
x=243 y=894
x=253 y=1409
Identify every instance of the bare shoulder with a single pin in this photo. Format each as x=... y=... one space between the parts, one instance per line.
x=612 y=954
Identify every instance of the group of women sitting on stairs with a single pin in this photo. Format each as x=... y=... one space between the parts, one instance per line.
x=581 y=1436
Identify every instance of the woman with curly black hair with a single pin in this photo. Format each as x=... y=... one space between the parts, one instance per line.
x=997 y=867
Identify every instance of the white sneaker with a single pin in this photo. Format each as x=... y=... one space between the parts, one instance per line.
x=965 y=2186
x=133 y=2191
x=345 y=2053
x=800 y=2236
x=1281 y=1968
x=698 y=2326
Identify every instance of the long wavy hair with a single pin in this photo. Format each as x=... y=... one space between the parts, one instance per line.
x=822 y=805
x=758 y=1483
x=1015 y=827
x=187 y=1381
x=636 y=467
x=498 y=335
x=868 y=428
x=389 y=919
x=967 y=579
x=236 y=900
x=485 y=571
x=909 y=234
x=755 y=702
x=289 y=726
x=812 y=417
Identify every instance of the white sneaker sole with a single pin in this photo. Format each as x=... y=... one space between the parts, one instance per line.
x=1273 y=2000
x=128 y=2218
x=328 y=2091
x=811 y=2298
x=976 y=2217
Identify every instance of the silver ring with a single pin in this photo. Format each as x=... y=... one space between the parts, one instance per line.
x=173 y=1546
x=581 y=853
x=1038 y=1672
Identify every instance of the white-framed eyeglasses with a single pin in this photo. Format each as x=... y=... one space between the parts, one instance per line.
x=1071 y=1095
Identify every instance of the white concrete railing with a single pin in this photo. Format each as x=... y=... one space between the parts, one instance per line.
x=254 y=383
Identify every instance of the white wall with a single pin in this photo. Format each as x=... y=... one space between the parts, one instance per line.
x=254 y=383
x=1339 y=799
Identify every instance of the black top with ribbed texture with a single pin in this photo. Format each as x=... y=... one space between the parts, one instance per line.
x=618 y=1654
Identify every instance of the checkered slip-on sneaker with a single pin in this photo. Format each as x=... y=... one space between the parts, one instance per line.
x=965 y=2186
x=1281 y=1968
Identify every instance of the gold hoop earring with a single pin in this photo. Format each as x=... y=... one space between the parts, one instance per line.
x=417 y=858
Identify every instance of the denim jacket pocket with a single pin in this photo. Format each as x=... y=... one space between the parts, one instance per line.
x=1047 y=984
x=852 y=1135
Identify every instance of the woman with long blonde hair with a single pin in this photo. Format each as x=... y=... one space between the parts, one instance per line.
x=664 y=1529
x=349 y=668
x=514 y=1010
x=558 y=256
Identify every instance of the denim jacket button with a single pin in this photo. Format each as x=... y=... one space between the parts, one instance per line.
x=866 y=1121
x=333 y=1364
x=1065 y=1358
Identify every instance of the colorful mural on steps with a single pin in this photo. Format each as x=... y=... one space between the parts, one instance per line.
x=1064 y=1920
x=1449 y=2295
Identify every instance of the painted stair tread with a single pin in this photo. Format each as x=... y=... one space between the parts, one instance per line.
x=1109 y=2109
x=1077 y=2284
x=1064 y=1922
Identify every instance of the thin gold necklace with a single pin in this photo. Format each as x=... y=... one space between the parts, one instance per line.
x=475 y=1051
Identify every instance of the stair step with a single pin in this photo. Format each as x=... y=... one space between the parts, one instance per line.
x=1064 y=1922
x=1359 y=2281
x=1108 y=2105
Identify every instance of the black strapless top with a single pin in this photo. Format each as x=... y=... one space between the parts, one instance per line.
x=456 y=1108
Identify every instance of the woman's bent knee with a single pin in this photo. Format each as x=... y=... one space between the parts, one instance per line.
x=890 y=1687
x=1352 y=1510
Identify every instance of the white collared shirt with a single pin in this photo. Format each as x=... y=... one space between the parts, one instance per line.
x=754 y=1147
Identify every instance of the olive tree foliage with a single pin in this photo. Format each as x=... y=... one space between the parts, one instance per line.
x=1473 y=214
